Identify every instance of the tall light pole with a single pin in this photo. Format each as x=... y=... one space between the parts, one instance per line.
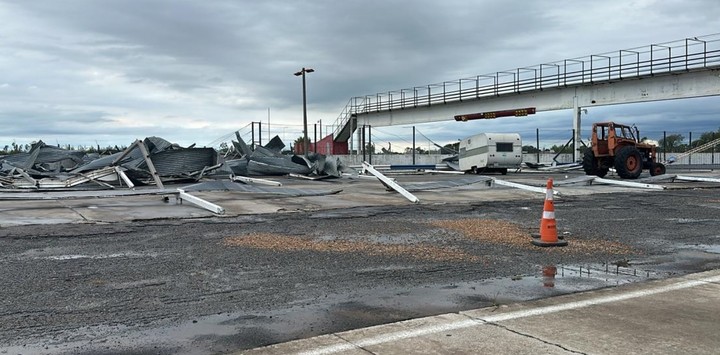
x=305 y=131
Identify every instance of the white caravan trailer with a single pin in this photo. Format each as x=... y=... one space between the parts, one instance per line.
x=490 y=152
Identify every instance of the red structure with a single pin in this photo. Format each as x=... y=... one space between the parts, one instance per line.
x=326 y=146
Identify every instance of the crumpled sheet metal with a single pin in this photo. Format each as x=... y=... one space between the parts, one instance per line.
x=42 y=158
x=238 y=166
x=56 y=165
x=276 y=144
x=263 y=165
x=234 y=186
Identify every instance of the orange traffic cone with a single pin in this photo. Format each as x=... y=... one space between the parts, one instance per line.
x=548 y=229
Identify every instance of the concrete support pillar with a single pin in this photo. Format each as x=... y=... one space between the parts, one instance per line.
x=576 y=130
x=359 y=130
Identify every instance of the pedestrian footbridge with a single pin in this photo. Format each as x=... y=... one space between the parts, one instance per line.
x=674 y=70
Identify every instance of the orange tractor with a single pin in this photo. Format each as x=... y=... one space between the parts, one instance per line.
x=618 y=146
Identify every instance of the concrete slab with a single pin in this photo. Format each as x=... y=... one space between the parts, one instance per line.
x=132 y=208
x=456 y=333
x=660 y=324
x=298 y=346
x=662 y=317
x=355 y=193
x=15 y=213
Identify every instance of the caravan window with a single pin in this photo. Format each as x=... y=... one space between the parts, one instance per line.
x=504 y=147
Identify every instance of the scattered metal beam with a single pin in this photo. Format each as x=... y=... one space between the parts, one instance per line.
x=26 y=177
x=629 y=184
x=522 y=186
x=202 y=172
x=123 y=177
x=256 y=181
x=389 y=182
x=151 y=166
x=451 y=172
x=182 y=195
x=71 y=195
x=586 y=179
x=563 y=167
x=313 y=178
x=125 y=153
x=658 y=178
x=696 y=178
x=83 y=178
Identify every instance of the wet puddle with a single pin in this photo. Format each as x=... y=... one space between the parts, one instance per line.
x=339 y=312
x=708 y=248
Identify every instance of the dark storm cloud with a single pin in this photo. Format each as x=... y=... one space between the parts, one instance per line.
x=217 y=65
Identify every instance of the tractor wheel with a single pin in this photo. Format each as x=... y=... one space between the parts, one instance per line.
x=628 y=162
x=657 y=169
x=590 y=165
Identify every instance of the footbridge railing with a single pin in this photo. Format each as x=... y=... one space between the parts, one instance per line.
x=698 y=53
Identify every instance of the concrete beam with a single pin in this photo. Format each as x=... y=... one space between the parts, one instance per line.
x=646 y=88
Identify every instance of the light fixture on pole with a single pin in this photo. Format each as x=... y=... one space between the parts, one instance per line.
x=305 y=131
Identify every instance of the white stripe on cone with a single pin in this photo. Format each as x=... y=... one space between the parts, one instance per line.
x=548 y=215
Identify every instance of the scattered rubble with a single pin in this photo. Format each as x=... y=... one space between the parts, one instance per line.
x=56 y=173
x=154 y=161
x=286 y=243
x=508 y=233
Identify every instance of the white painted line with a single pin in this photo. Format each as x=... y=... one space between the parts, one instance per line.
x=427 y=330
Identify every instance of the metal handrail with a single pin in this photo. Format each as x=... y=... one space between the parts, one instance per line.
x=678 y=56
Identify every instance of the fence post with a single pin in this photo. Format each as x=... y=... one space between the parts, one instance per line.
x=413 y=150
x=363 y=142
x=537 y=142
x=370 y=151
x=690 y=147
x=664 y=145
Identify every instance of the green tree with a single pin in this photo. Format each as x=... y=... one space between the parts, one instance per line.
x=530 y=149
x=450 y=148
x=705 y=138
x=299 y=143
x=560 y=149
x=418 y=150
x=223 y=148
x=673 y=143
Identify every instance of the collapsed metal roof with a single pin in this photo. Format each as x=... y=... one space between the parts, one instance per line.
x=154 y=160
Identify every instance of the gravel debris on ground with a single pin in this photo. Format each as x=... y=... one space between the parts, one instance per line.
x=505 y=232
x=277 y=242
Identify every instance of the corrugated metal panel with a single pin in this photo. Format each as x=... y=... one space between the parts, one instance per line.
x=233 y=186
x=276 y=144
x=157 y=144
x=262 y=165
x=181 y=162
x=238 y=166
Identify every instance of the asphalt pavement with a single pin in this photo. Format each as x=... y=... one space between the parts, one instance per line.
x=147 y=274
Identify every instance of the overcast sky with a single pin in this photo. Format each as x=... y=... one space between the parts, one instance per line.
x=110 y=71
